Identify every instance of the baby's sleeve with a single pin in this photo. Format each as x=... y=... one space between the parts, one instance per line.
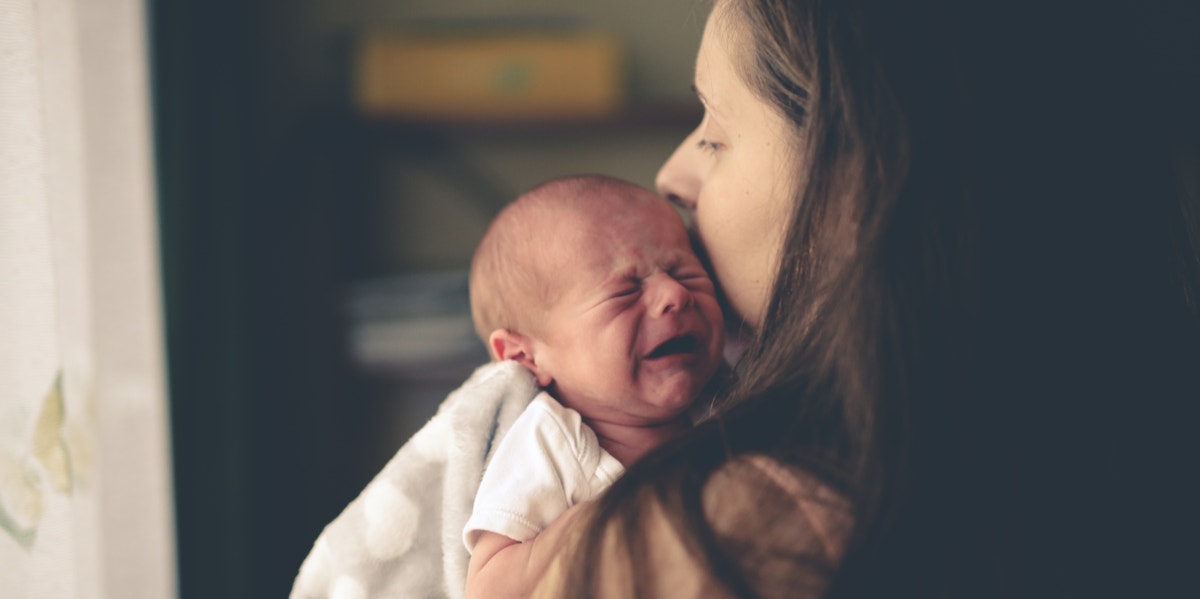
x=541 y=467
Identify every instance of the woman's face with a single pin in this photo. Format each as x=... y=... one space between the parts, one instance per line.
x=734 y=175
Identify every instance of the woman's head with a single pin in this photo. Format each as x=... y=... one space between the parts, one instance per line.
x=736 y=174
x=781 y=104
x=789 y=180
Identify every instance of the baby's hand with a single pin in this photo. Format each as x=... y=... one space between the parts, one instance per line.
x=501 y=567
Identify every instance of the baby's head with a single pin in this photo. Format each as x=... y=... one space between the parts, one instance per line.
x=591 y=283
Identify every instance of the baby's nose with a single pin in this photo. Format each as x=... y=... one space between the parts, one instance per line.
x=668 y=295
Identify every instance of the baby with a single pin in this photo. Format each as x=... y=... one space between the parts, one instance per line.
x=591 y=284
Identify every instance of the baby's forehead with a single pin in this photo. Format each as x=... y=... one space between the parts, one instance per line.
x=593 y=226
x=621 y=221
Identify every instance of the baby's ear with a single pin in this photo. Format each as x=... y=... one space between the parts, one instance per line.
x=511 y=345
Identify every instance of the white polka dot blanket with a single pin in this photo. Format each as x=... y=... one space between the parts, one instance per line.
x=402 y=536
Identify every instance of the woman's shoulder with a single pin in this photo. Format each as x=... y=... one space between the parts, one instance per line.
x=777 y=528
x=784 y=526
x=759 y=490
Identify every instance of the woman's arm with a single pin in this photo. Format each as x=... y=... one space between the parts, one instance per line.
x=501 y=567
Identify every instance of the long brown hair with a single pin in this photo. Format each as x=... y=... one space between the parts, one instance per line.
x=983 y=330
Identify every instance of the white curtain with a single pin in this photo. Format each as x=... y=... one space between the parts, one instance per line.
x=85 y=501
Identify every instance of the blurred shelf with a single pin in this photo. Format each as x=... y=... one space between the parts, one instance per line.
x=638 y=117
x=414 y=327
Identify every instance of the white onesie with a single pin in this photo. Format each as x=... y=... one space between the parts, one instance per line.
x=547 y=462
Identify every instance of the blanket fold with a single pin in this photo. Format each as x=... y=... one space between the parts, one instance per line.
x=402 y=536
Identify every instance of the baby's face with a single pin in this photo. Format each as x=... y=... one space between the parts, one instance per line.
x=636 y=331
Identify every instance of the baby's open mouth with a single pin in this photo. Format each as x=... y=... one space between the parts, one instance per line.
x=683 y=344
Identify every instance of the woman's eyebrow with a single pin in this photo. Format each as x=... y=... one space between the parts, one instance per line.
x=705 y=101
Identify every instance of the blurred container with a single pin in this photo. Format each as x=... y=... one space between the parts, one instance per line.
x=489 y=75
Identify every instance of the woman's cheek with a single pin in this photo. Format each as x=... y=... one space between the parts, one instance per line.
x=743 y=248
x=734 y=275
x=748 y=299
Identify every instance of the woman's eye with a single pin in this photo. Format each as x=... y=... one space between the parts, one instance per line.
x=626 y=292
x=709 y=146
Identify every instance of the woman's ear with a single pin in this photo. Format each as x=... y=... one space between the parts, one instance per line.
x=511 y=345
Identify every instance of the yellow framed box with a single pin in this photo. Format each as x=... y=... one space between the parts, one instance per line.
x=489 y=76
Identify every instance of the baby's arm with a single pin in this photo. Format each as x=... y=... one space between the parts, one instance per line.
x=501 y=567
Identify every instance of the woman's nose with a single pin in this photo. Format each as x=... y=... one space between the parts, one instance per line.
x=679 y=177
x=667 y=295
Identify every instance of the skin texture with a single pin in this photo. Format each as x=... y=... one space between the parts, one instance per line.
x=732 y=176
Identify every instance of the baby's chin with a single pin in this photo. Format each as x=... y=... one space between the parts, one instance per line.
x=676 y=397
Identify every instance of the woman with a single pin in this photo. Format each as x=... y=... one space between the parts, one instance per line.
x=964 y=247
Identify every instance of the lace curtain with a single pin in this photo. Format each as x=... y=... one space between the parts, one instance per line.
x=85 y=503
